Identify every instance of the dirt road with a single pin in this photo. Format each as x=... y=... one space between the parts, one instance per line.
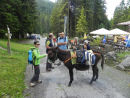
x=112 y=83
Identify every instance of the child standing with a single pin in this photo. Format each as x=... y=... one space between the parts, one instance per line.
x=36 y=63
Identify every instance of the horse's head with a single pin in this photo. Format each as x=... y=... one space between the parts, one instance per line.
x=52 y=54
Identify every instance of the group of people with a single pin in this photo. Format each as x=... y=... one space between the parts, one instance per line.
x=51 y=41
x=61 y=42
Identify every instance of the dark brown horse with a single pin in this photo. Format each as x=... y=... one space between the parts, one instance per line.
x=65 y=56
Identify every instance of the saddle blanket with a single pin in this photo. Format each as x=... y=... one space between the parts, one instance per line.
x=90 y=57
x=73 y=60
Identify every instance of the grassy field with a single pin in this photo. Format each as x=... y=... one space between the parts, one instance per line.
x=12 y=68
x=15 y=46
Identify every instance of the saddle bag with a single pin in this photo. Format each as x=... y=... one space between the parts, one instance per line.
x=79 y=55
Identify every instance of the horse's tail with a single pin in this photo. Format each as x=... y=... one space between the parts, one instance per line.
x=102 y=62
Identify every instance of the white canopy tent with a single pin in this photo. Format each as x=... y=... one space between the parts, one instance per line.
x=124 y=23
x=111 y=32
x=118 y=32
x=101 y=31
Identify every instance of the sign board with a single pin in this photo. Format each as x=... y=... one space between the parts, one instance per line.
x=8 y=34
x=9 y=37
x=8 y=29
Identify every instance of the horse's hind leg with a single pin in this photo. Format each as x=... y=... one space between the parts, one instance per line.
x=94 y=74
x=96 y=71
x=71 y=76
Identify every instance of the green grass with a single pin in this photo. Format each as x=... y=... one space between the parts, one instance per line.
x=12 y=68
x=15 y=46
x=122 y=55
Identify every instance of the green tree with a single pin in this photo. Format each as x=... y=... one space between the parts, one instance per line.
x=94 y=10
x=8 y=16
x=19 y=15
x=57 y=17
x=121 y=14
x=82 y=26
x=44 y=10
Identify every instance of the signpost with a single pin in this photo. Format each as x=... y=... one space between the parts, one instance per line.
x=9 y=37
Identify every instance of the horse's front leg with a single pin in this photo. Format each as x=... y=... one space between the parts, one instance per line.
x=71 y=76
x=94 y=73
x=96 y=69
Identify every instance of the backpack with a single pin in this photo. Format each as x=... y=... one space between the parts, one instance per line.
x=80 y=55
x=65 y=39
x=30 y=56
x=51 y=44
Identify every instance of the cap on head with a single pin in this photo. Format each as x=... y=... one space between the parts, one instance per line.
x=50 y=34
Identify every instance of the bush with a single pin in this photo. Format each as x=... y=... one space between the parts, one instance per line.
x=96 y=42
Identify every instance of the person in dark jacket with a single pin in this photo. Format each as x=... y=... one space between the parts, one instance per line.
x=49 y=44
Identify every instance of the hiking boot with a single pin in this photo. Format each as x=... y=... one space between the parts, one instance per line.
x=32 y=84
x=39 y=81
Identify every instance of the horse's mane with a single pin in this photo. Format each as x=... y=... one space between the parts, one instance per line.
x=96 y=51
x=64 y=52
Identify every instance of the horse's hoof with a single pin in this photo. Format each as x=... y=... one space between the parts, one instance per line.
x=69 y=85
x=91 y=82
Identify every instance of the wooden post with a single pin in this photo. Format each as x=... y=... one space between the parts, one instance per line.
x=8 y=43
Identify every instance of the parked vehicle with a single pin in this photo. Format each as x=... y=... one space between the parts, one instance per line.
x=32 y=37
x=38 y=37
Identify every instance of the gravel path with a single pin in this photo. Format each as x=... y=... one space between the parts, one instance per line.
x=112 y=83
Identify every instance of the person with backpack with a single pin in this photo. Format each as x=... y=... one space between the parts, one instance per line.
x=49 y=44
x=62 y=41
x=36 y=63
x=54 y=40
